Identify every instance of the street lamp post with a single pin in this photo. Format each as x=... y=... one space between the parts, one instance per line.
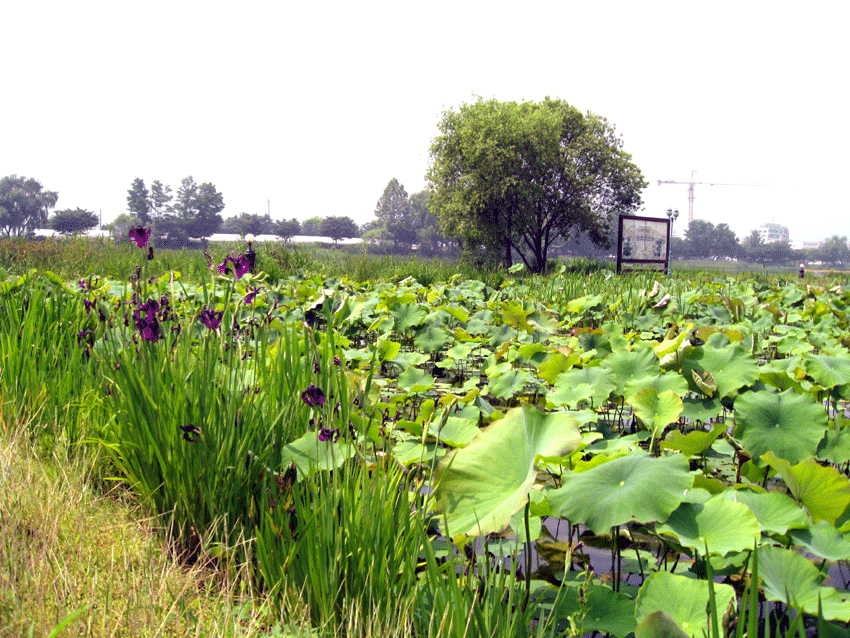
x=250 y=255
x=672 y=215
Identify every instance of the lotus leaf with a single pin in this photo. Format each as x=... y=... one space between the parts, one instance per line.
x=637 y=488
x=788 y=424
x=775 y=512
x=631 y=366
x=555 y=364
x=431 y=338
x=692 y=443
x=508 y=384
x=601 y=383
x=607 y=611
x=723 y=525
x=823 y=491
x=701 y=410
x=828 y=371
x=407 y=315
x=659 y=624
x=684 y=599
x=656 y=410
x=731 y=367
x=414 y=380
x=835 y=446
x=822 y=540
x=791 y=578
x=479 y=487
x=311 y=455
x=662 y=383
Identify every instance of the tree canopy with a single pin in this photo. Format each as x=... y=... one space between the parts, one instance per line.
x=286 y=229
x=517 y=177
x=395 y=215
x=73 y=221
x=194 y=211
x=24 y=205
x=338 y=228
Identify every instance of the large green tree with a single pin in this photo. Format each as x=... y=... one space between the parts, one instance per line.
x=246 y=223
x=139 y=200
x=395 y=215
x=24 y=205
x=704 y=240
x=286 y=229
x=69 y=222
x=834 y=251
x=310 y=226
x=338 y=228
x=196 y=211
x=517 y=177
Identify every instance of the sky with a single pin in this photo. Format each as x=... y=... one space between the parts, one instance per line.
x=310 y=109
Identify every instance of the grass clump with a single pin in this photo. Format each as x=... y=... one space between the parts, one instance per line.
x=76 y=562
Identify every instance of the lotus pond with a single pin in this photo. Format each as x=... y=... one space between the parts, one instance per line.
x=557 y=456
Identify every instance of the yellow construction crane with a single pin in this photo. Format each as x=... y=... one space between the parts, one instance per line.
x=691 y=185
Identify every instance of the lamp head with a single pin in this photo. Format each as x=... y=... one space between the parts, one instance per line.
x=250 y=239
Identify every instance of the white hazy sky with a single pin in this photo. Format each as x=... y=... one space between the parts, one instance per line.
x=316 y=106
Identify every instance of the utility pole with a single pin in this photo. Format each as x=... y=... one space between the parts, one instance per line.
x=269 y=209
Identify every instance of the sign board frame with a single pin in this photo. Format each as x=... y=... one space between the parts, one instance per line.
x=643 y=241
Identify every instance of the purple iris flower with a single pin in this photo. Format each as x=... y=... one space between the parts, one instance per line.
x=211 y=318
x=82 y=338
x=313 y=396
x=251 y=293
x=140 y=235
x=148 y=325
x=241 y=265
x=190 y=429
x=326 y=434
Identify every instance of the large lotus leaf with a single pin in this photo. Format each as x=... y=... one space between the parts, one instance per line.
x=725 y=526
x=788 y=424
x=774 y=511
x=731 y=368
x=661 y=383
x=500 y=334
x=823 y=491
x=637 y=487
x=659 y=624
x=459 y=429
x=415 y=380
x=684 y=599
x=592 y=384
x=607 y=611
x=692 y=443
x=828 y=371
x=631 y=365
x=555 y=364
x=431 y=338
x=656 y=410
x=791 y=578
x=406 y=315
x=822 y=540
x=480 y=486
x=835 y=446
x=777 y=374
x=508 y=384
x=701 y=409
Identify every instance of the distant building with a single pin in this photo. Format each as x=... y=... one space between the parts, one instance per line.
x=806 y=245
x=772 y=233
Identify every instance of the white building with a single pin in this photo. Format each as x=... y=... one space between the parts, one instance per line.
x=772 y=233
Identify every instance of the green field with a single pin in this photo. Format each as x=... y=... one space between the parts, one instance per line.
x=343 y=444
